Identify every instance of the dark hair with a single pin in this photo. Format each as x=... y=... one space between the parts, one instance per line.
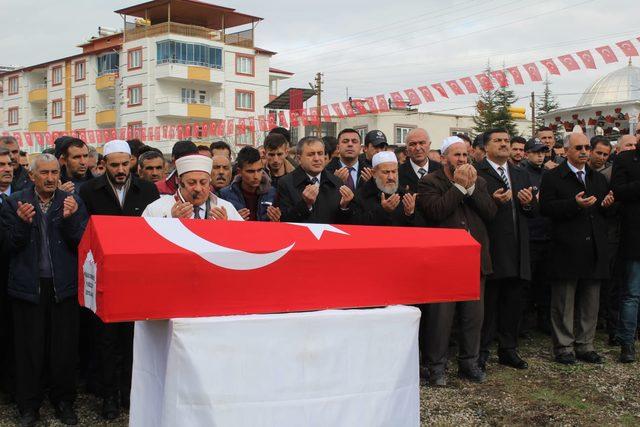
x=348 y=130
x=5 y=152
x=7 y=139
x=59 y=145
x=399 y=150
x=100 y=158
x=544 y=129
x=146 y=149
x=23 y=153
x=599 y=139
x=150 y=155
x=247 y=155
x=273 y=141
x=135 y=145
x=487 y=134
x=519 y=140
x=478 y=141
x=464 y=137
x=307 y=140
x=558 y=144
x=49 y=151
x=219 y=145
x=330 y=145
x=183 y=148
x=72 y=142
x=281 y=131
x=204 y=148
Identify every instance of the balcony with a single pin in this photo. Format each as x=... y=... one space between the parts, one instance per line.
x=38 y=93
x=179 y=108
x=106 y=115
x=175 y=70
x=106 y=80
x=38 y=124
x=173 y=28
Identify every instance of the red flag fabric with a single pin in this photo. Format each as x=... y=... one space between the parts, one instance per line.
x=534 y=73
x=627 y=48
x=587 y=59
x=282 y=118
x=326 y=115
x=468 y=84
x=40 y=139
x=313 y=116
x=500 y=77
x=551 y=66
x=517 y=76
x=438 y=87
x=383 y=105
x=426 y=93
x=293 y=118
x=371 y=104
x=295 y=99
x=455 y=87
x=569 y=62
x=338 y=109
x=197 y=260
x=359 y=107
x=262 y=124
x=397 y=99
x=18 y=137
x=414 y=99
x=485 y=81
x=348 y=109
x=28 y=140
x=272 y=121
x=607 y=54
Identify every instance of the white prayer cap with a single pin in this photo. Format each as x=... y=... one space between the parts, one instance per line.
x=194 y=162
x=448 y=142
x=383 y=157
x=116 y=146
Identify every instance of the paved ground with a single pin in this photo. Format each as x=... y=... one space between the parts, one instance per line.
x=546 y=394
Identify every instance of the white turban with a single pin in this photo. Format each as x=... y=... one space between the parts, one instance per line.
x=448 y=142
x=194 y=162
x=383 y=157
x=116 y=146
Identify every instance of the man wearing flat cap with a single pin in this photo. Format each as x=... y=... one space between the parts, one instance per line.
x=119 y=193
x=193 y=198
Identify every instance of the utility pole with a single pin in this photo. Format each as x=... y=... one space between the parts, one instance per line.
x=533 y=114
x=318 y=88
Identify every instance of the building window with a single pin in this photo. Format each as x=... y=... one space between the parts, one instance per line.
x=171 y=51
x=56 y=108
x=190 y=96
x=56 y=75
x=81 y=70
x=13 y=116
x=244 y=100
x=401 y=133
x=14 y=85
x=80 y=105
x=245 y=65
x=134 y=59
x=134 y=93
x=247 y=138
x=108 y=63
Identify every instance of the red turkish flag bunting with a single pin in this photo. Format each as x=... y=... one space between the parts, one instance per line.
x=533 y=72
x=414 y=99
x=468 y=84
x=426 y=93
x=455 y=87
x=359 y=106
x=383 y=105
x=397 y=99
x=607 y=54
x=27 y=138
x=324 y=111
x=371 y=104
x=438 y=87
x=587 y=59
x=348 y=108
x=569 y=62
x=551 y=66
x=628 y=48
x=500 y=77
x=485 y=82
x=517 y=76
x=338 y=109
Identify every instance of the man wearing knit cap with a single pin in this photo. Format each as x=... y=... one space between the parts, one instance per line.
x=193 y=199
x=119 y=193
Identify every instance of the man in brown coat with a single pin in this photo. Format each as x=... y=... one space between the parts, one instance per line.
x=455 y=197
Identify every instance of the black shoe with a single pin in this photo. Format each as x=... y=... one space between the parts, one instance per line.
x=482 y=361
x=65 y=413
x=437 y=380
x=474 y=374
x=566 y=358
x=511 y=358
x=29 y=418
x=110 y=409
x=627 y=353
x=589 y=357
x=613 y=341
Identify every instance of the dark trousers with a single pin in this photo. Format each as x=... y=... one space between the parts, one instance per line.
x=46 y=347
x=540 y=292
x=611 y=291
x=503 y=306
x=7 y=368
x=88 y=353
x=438 y=322
x=115 y=346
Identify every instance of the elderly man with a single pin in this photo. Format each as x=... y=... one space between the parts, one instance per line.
x=119 y=193
x=193 y=199
x=151 y=166
x=574 y=197
x=626 y=143
x=311 y=194
x=418 y=144
x=380 y=202
x=456 y=197
x=220 y=173
x=21 y=178
x=349 y=167
x=251 y=192
x=512 y=192
x=44 y=226
x=74 y=158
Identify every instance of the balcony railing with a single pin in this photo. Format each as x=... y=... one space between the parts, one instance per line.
x=39 y=118
x=105 y=72
x=38 y=86
x=188 y=101
x=106 y=107
x=241 y=38
x=187 y=62
x=172 y=28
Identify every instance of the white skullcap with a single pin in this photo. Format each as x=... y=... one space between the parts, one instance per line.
x=116 y=146
x=383 y=157
x=449 y=141
x=194 y=162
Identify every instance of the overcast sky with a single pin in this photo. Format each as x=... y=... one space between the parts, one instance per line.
x=370 y=47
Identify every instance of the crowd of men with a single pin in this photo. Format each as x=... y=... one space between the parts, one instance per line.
x=559 y=233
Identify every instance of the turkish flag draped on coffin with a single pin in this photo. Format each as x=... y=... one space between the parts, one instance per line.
x=169 y=268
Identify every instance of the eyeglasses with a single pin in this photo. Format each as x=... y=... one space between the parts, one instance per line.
x=586 y=147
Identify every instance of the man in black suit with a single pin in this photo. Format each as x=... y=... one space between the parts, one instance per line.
x=117 y=192
x=575 y=198
x=352 y=169
x=512 y=192
x=625 y=182
x=311 y=194
x=418 y=144
x=20 y=174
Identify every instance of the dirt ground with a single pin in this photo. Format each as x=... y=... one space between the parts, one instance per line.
x=545 y=394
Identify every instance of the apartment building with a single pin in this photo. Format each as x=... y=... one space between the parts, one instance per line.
x=174 y=62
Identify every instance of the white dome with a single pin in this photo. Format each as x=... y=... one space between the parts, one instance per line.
x=619 y=86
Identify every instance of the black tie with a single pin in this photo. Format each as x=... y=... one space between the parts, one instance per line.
x=421 y=172
x=581 y=177
x=196 y=212
x=314 y=180
x=504 y=177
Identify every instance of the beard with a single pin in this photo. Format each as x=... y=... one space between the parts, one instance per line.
x=386 y=188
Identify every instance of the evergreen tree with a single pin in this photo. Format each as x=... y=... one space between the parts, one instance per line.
x=505 y=98
x=546 y=103
x=486 y=109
